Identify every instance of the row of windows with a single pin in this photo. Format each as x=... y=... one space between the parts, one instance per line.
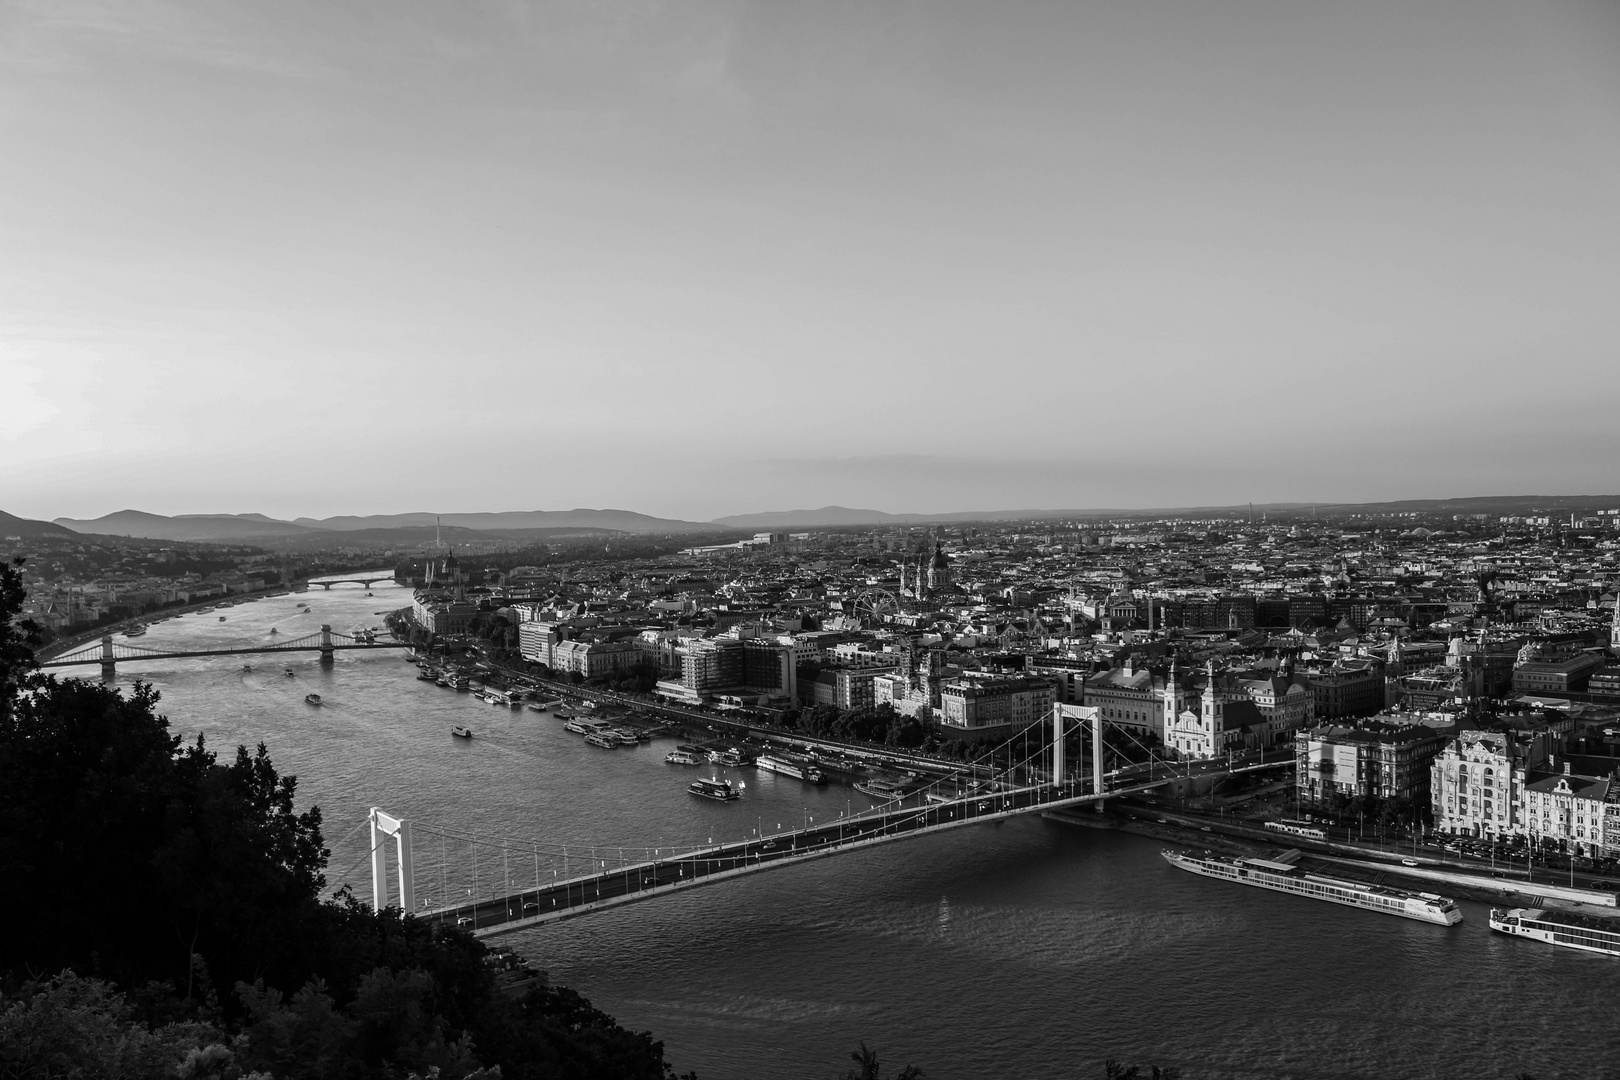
x=1570 y=935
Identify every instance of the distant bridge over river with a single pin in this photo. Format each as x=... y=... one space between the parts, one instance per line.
x=108 y=652
x=368 y=578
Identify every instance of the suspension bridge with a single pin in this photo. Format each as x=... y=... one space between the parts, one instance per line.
x=493 y=884
x=109 y=653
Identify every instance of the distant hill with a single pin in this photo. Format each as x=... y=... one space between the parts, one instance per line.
x=822 y=518
x=11 y=525
x=834 y=516
x=611 y=520
x=214 y=527
x=377 y=528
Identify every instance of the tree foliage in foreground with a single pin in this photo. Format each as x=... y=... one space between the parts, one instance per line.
x=163 y=917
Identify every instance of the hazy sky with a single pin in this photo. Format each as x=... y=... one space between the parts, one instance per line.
x=704 y=258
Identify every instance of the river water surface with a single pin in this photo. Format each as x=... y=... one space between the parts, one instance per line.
x=1024 y=949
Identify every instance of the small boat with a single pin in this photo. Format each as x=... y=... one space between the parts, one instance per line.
x=273 y=630
x=247 y=668
x=312 y=699
x=302 y=604
x=135 y=631
x=682 y=756
x=289 y=673
x=461 y=732
x=719 y=790
x=879 y=788
x=537 y=706
x=222 y=618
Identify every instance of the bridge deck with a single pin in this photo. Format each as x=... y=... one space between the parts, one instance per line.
x=125 y=654
x=561 y=899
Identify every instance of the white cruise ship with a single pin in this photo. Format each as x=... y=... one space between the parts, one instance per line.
x=1281 y=876
x=1568 y=929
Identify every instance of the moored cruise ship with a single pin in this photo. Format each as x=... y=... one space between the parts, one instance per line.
x=1569 y=929
x=1281 y=876
x=799 y=770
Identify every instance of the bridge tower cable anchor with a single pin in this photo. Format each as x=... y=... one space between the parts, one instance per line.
x=109 y=670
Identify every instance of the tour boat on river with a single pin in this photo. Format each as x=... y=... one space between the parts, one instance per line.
x=682 y=756
x=1566 y=929
x=605 y=740
x=1281 y=875
x=720 y=790
x=799 y=770
x=461 y=732
x=312 y=699
x=879 y=788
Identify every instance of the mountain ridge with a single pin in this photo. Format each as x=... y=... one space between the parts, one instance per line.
x=12 y=525
x=226 y=527
x=837 y=516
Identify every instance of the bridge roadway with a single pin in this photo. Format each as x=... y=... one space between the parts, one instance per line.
x=562 y=899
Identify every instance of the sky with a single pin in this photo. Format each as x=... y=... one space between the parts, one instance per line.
x=326 y=257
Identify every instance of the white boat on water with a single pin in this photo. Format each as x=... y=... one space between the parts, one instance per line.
x=1566 y=929
x=787 y=766
x=880 y=788
x=682 y=756
x=719 y=790
x=605 y=740
x=1281 y=875
x=461 y=732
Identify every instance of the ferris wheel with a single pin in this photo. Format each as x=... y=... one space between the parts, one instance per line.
x=873 y=606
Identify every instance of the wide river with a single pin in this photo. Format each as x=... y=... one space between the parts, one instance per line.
x=1028 y=948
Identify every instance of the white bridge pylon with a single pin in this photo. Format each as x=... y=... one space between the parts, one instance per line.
x=384 y=825
x=1083 y=714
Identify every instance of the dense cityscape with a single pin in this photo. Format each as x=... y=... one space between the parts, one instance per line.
x=856 y=541
x=1403 y=657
